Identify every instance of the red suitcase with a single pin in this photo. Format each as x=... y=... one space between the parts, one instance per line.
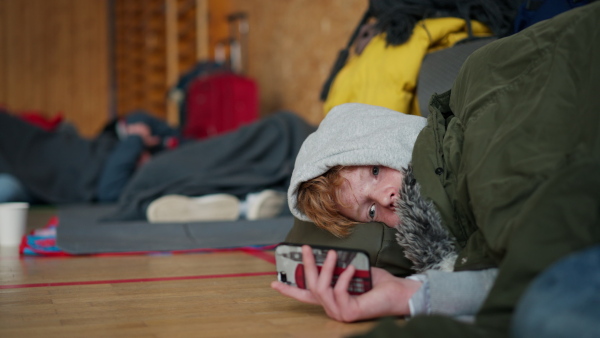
x=219 y=102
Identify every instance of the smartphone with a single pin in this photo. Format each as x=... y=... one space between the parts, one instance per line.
x=290 y=269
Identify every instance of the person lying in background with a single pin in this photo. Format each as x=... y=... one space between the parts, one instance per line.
x=55 y=167
x=240 y=174
x=487 y=194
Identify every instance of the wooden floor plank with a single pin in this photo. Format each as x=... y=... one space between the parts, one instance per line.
x=223 y=294
x=59 y=270
x=231 y=309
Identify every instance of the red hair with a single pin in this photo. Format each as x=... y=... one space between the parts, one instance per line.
x=320 y=198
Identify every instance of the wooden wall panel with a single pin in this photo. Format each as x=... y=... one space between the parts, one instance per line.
x=218 y=28
x=140 y=56
x=292 y=46
x=54 y=53
x=155 y=42
x=54 y=59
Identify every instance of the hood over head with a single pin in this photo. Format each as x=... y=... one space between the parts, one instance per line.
x=355 y=134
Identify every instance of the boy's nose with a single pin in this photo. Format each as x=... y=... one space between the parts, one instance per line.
x=387 y=198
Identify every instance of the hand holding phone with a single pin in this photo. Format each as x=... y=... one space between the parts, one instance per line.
x=388 y=295
x=290 y=267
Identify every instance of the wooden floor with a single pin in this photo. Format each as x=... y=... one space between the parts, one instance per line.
x=187 y=295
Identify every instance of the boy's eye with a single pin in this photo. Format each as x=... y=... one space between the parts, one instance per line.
x=372 y=212
x=375 y=170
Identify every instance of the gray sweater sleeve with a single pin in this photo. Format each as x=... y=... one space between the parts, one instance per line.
x=456 y=294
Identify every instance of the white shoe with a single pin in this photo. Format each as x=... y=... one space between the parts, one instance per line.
x=179 y=208
x=266 y=204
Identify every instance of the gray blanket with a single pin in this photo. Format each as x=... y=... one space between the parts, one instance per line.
x=255 y=157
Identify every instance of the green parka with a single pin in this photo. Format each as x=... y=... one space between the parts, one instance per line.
x=511 y=159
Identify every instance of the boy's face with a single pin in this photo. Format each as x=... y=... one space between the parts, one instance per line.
x=369 y=194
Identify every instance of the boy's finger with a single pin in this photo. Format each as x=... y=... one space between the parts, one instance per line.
x=325 y=292
x=343 y=283
x=326 y=275
x=310 y=268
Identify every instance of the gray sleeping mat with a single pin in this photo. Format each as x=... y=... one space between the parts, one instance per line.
x=80 y=231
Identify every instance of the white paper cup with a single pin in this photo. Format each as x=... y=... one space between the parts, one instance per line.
x=13 y=222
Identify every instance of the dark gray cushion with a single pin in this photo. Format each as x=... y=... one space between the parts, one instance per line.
x=375 y=238
x=440 y=68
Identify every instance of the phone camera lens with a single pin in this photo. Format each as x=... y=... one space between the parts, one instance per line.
x=283 y=277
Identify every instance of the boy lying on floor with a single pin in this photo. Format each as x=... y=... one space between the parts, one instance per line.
x=499 y=180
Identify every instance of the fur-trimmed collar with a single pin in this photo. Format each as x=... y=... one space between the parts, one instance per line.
x=426 y=243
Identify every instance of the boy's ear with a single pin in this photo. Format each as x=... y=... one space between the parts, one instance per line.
x=378 y=240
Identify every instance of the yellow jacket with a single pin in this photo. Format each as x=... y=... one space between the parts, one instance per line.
x=387 y=76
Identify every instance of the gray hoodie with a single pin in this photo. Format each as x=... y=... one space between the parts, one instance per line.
x=355 y=134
